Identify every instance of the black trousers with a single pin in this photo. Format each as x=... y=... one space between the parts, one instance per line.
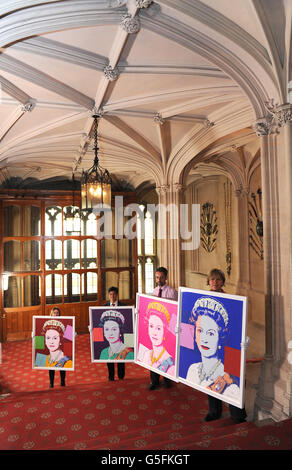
x=215 y=408
x=52 y=376
x=111 y=370
x=154 y=378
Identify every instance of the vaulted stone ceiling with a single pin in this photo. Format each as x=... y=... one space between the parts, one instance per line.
x=170 y=78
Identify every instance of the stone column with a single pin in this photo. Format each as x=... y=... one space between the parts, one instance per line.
x=274 y=397
x=170 y=198
x=284 y=115
x=243 y=242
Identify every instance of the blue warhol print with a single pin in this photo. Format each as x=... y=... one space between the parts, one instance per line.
x=234 y=308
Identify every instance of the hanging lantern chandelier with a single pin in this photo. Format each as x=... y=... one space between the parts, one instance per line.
x=95 y=182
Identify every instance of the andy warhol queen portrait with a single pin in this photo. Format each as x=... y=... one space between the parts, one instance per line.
x=212 y=343
x=157 y=335
x=112 y=334
x=53 y=343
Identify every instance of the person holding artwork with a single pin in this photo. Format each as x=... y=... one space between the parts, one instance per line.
x=157 y=318
x=113 y=294
x=165 y=291
x=211 y=333
x=53 y=331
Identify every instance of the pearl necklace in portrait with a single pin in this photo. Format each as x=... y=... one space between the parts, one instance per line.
x=206 y=376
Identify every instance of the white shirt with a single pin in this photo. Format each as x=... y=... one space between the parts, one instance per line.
x=168 y=292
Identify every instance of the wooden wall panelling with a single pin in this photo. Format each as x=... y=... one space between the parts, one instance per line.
x=16 y=323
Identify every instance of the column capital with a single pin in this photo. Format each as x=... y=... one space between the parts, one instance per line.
x=265 y=126
x=168 y=188
x=278 y=116
x=284 y=114
x=178 y=187
x=163 y=189
x=242 y=191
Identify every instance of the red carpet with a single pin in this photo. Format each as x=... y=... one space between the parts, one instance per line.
x=91 y=413
x=18 y=375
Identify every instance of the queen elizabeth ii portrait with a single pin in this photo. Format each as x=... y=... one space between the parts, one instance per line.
x=53 y=342
x=53 y=331
x=157 y=318
x=157 y=334
x=112 y=334
x=213 y=362
x=113 y=323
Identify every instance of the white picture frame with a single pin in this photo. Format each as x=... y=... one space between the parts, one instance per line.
x=123 y=317
x=43 y=354
x=195 y=360
x=166 y=310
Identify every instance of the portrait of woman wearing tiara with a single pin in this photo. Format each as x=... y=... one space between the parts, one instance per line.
x=211 y=323
x=53 y=331
x=157 y=319
x=113 y=322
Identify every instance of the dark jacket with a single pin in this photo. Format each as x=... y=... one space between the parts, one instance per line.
x=120 y=304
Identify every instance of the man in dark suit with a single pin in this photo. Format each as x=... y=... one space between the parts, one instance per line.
x=113 y=294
